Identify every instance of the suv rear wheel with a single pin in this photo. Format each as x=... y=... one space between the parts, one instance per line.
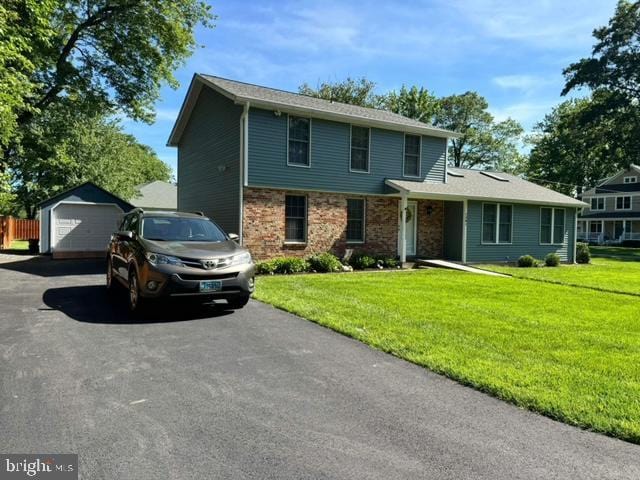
x=109 y=280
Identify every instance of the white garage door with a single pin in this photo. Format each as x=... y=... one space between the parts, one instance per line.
x=84 y=227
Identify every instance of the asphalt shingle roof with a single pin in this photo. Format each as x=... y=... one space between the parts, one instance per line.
x=157 y=195
x=284 y=99
x=478 y=185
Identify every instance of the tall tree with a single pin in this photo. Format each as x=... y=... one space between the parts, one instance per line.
x=358 y=91
x=59 y=151
x=417 y=103
x=484 y=143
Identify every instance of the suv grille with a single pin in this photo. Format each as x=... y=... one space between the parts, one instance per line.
x=220 y=276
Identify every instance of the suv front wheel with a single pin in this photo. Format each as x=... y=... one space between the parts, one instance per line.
x=136 y=302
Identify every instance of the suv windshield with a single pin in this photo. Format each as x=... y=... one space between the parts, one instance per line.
x=176 y=229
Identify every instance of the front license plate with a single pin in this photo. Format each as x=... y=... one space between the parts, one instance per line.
x=210 y=286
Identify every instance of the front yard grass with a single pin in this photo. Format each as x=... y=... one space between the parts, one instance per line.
x=606 y=274
x=569 y=353
x=616 y=252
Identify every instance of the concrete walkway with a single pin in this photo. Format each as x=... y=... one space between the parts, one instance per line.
x=457 y=266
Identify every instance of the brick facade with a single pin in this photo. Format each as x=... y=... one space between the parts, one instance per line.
x=264 y=225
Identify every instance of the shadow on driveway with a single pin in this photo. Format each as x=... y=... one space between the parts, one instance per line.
x=44 y=266
x=93 y=304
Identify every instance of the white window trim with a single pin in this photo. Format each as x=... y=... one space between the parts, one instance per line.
x=306 y=220
x=364 y=222
x=368 y=170
x=624 y=209
x=497 y=242
x=631 y=179
x=604 y=204
x=404 y=141
x=289 y=164
x=553 y=225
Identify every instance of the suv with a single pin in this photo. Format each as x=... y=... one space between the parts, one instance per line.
x=174 y=254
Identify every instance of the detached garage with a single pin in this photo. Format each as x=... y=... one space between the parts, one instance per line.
x=80 y=221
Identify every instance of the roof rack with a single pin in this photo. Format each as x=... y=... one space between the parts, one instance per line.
x=136 y=209
x=198 y=212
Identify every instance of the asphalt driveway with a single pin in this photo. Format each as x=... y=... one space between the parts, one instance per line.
x=257 y=393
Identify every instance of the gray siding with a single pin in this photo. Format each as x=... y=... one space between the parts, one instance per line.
x=610 y=203
x=329 y=161
x=452 y=230
x=209 y=160
x=525 y=236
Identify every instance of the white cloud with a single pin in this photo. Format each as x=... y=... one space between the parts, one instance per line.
x=526 y=113
x=166 y=114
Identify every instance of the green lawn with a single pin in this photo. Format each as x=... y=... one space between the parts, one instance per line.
x=572 y=354
x=616 y=252
x=20 y=245
x=606 y=274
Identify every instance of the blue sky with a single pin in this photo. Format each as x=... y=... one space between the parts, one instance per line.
x=510 y=51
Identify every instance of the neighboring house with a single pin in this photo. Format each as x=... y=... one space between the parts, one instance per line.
x=79 y=222
x=296 y=175
x=612 y=214
x=156 y=195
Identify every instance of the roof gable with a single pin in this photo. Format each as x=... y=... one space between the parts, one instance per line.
x=270 y=98
x=157 y=195
x=87 y=192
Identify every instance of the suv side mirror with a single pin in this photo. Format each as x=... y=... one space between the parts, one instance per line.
x=125 y=235
x=234 y=237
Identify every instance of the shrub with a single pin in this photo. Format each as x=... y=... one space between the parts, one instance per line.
x=583 y=255
x=527 y=261
x=389 y=262
x=360 y=261
x=631 y=243
x=283 y=265
x=325 y=262
x=552 y=260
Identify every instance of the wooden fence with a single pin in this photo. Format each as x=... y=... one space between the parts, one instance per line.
x=17 y=229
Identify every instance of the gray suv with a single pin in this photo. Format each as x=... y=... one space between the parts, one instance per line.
x=175 y=254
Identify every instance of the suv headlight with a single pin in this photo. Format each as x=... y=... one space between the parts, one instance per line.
x=159 y=259
x=241 y=259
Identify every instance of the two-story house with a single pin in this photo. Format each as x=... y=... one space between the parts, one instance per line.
x=296 y=175
x=612 y=214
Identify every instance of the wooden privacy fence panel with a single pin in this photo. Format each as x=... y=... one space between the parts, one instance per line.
x=17 y=229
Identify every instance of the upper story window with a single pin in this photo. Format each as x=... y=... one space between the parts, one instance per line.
x=597 y=203
x=411 y=167
x=295 y=218
x=630 y=179
x=552 y=225
x=299 y=141
x=359 y=149
x=355 y=220
x=497 y=220
x=623 y=203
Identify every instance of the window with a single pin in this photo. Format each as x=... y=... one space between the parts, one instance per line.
x=411 y=166
x=630 y=179
x=359 y=149
x=597 y=203
x=299 y=140
x=623 y=203
x=295 y=218
x=497 y=220
x=355 y=220
x=552 y=225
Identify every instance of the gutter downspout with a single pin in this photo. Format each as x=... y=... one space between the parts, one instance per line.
x=446 y=159
x=244 y=163
x=403 y=229
x=465 y=206
x=575 y=235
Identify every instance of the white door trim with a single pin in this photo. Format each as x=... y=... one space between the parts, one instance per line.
x=413 y=203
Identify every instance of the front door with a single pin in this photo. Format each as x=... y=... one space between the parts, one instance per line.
x=411 y=228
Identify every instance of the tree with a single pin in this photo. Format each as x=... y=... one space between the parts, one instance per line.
x=576 y=144
x=416 y=103
x=58 y=153
x=358 y=91
x=614 y=64
x=483 y=142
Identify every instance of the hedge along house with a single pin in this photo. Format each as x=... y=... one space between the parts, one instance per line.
x=295 y=175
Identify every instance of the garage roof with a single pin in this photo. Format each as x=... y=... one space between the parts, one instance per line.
x=87 y=192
